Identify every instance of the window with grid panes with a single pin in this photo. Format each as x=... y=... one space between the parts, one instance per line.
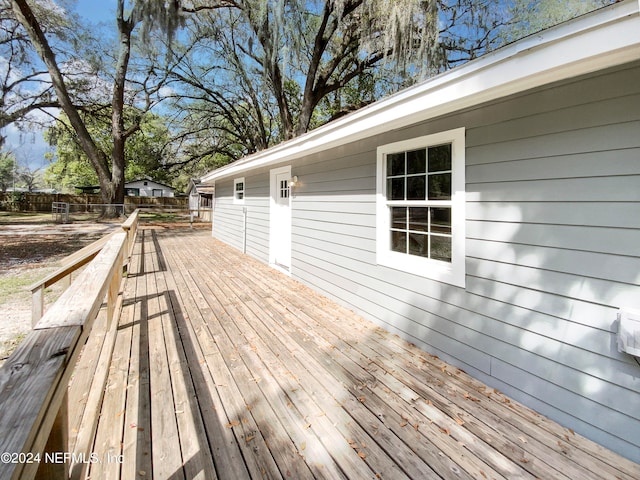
x=421 y=205
x=238 y=190
x=419 y=196
x=284 y=189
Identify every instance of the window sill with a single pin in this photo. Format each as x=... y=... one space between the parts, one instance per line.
x=445 y=272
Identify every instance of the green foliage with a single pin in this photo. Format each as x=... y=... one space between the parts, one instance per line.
x=268 y=70
x=144 y=151
x=7 y=166
x=265 y=71
x=531 y=16
x=14 y=202
x=247 y=74
x=359 y=92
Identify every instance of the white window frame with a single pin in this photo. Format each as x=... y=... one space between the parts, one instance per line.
x=236 y=200
x=448 y=272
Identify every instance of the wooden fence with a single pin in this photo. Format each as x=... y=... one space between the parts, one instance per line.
x=34 y=380
x=41 y=202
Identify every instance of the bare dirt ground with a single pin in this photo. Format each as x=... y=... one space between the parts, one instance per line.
x=30 y=248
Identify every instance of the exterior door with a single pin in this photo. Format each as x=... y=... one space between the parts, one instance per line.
x=280 y=241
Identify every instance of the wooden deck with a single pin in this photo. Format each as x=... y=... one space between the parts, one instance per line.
x=225 y=368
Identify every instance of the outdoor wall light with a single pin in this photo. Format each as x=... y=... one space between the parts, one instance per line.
x=293 y=181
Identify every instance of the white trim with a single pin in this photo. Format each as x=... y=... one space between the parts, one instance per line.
x=602 y=39
x=274 y=238
x=236 y=200
x=454 y=272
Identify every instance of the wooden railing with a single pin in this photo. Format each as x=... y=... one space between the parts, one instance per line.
x=130 y=226
x=34 y=380
x=75 y=261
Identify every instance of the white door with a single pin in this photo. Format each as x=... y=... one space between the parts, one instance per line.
x=280 y=241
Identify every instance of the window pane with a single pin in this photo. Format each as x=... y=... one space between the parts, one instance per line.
x=416 y=188
x=395 y=164
x=441 y=248
x=440 y=186
x=441 y=220
x=399 y=242
x=399 y=218
x=440 y=158
x=419 y=244
x=419 y=219
x=395 y=189
x=417 y=161
x=239 y=186
x=240 y=195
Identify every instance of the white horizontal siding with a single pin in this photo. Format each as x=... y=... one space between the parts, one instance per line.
x=606 y=138
x=601 y=266
x=599 y=214
x=228 y=224
x=616 y=241
x=553 y=203
x=553 y=229
x=591 y=189
x=610 y=163
x=568 y=118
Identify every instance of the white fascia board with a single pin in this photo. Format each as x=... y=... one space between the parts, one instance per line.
x=600 y=40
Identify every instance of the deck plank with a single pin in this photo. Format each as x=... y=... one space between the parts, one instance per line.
x=357 y=375
x=165 y=451
x=244 y=403
x=136 y=443
x=111 y=424
x=506 y=441
x=199 y=346
x=236 y=371
x=191 y=431
x=335 y=426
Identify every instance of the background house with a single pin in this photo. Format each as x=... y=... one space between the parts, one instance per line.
x=200 y=199
x=146 y=187
x=142 y=187
x=490 y=215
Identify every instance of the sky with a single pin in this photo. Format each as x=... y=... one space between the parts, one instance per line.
x=96 y=10
x=30 y=147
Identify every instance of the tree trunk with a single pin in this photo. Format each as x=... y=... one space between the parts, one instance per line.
x=118 y=132
x=25 y=16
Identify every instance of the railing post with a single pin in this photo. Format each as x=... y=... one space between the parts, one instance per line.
x=130 y=227
x=37 y=305
x=114 y=288
x=57 y=466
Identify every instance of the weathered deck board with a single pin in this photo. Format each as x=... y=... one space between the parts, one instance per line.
x=189 y=420
x=224 y=368
x=136 y=444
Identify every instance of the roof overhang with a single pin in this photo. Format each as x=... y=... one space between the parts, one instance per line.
x=599 y=40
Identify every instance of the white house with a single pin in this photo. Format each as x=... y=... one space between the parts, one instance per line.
x=146 y=187
x=490 y=215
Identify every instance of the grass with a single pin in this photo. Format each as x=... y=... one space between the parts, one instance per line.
x=8 y=346
x=13 y=218
x=14 y=287
x=15 y=298
x=25 y=218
